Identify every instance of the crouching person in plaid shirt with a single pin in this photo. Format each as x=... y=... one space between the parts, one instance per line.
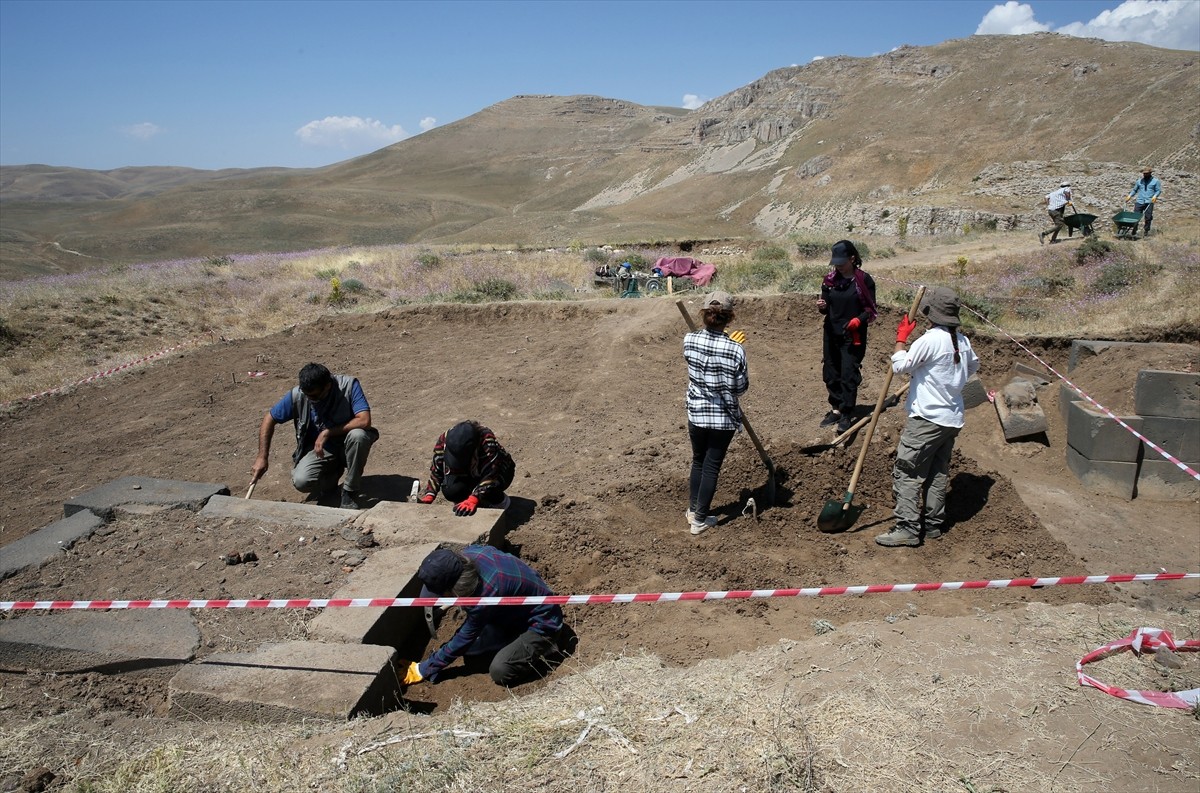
x=717 y=376
x=515 y=644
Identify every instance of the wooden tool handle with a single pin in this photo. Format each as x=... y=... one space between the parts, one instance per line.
x=250 y=492
x=887 y=383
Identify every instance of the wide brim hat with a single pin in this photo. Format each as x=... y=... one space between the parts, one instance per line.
x=941 y=305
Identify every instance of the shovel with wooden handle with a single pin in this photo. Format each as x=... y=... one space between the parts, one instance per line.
x=840 y=515
x=769 y=495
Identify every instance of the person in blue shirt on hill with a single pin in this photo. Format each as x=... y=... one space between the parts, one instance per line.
x=518 y=644
x=1144 y=195
x=333 y=434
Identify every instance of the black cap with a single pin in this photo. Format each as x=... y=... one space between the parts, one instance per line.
x=460 y=446
x=439 y=572
x=841 y=254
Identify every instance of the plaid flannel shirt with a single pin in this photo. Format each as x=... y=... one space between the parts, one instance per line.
x=500 y=574
x=717 y=376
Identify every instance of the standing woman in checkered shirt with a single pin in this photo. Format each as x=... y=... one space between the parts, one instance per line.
x=717 y=376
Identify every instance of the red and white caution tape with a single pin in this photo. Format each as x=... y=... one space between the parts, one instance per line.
x=105 y=373
x=580 y=600
x=1177 y=463
x=1143 y=640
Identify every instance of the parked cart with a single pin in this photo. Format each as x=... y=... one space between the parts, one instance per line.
x=1079 y=220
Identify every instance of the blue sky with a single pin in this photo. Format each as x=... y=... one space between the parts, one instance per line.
x=224 y=84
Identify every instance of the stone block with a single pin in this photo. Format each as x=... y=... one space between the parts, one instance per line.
x=1038 y=377
x=1082 y=349
x=1106 y=478
x=974 y=392
x=34 y=550
x=1179 y=437
x=406 y=523
x=106 y=641
x=1161 y=480
x=1098 y=437
x=1019 y=412
x=170 y=493
x=387 y=573
x=1167 y=394
x=282 y=513
x=288 y=682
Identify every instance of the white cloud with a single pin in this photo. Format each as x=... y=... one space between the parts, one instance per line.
x=1012 y=18
x=693 y=101
x=428 y=123
x=349 y=132
x=818 y=58
x=143 y=131
x=1173 y=24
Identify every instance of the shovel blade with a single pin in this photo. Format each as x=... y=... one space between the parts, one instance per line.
x=839 y=515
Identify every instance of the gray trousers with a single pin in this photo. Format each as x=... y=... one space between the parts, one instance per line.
x=922 y=464
x=320 y=474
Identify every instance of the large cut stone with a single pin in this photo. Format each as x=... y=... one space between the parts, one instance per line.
x=107 y=641
x=283 y=513
x=144 y=490
x=34 y=550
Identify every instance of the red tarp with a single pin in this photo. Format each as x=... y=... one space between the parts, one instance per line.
x=695 y=269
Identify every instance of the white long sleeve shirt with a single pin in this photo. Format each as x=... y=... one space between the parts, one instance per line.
x=935 y=393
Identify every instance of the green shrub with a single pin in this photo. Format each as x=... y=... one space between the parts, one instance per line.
x=595 y=256
x=743 y=276
x=886 y=253
x=990 y=225
x=552 y=294
x=496 y=289
x=901 y=297
x=637 y=261
x=218 y=261
x=428 y=260
x=327 y=273
x=1092 y=248
x=8 y=336
x=988 y=308
x=902 y=226
x=885 y=214
x=353 y=286
x=804 y=279
x=770 y=253
x=1114 y=277
x=812 y=247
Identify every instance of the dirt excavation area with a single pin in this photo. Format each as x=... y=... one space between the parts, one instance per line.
x=970 y=690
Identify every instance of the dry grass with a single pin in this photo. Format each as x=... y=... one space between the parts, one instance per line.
x=983 y=703
x=58 y=330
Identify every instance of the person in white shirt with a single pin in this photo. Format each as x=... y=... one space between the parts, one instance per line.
x=940 y=362
x=1056 y=203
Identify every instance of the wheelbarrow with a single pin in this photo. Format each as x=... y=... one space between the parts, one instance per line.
x=1081 y=221
x=1125 y=225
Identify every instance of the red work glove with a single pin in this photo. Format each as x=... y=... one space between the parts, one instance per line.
x=426 y=499
x=906 y=328
x=466 y=507
x=852 y=328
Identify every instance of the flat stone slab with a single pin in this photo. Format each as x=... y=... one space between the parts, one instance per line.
x=1103 y=477
x=169 y=493
x=387 y=573
x=286 y=513
x=108 y=641
x=406 y=523
x=1160 y=480
x=34 y=550
x=1023 y=420
x=289 y=681
x=1167 y=394
x=1098 y=437
x=1178 y=437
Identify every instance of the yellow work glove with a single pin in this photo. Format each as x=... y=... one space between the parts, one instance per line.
x=413 y=674
x=736 y=335
x=1152 y=200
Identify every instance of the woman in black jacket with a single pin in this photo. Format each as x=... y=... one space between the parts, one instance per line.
x=848 y=303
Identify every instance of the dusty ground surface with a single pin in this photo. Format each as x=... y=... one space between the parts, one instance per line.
x=589 y=399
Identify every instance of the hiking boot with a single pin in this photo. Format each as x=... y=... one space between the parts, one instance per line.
x=933 y=533
x=352 y=500
x=845 y=423
x=832 y=417
x=700 y=526
x=898 y=537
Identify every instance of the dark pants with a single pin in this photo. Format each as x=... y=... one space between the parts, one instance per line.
x=1147 y=211
x=708 y=452
x=841 y=369
x=1056 y=217
x=457 y=487
x=528 y=657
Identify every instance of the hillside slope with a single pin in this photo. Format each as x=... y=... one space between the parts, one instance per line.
x=966 y=133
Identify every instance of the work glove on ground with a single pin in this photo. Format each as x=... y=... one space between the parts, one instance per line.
x=905 y=329
x=736 y=335
x=413 y=674
x=426 y=499
x=467 y=506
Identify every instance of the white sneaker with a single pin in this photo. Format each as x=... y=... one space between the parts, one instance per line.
x=699 y=527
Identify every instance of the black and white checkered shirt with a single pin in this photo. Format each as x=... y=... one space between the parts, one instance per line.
x=717 y=376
